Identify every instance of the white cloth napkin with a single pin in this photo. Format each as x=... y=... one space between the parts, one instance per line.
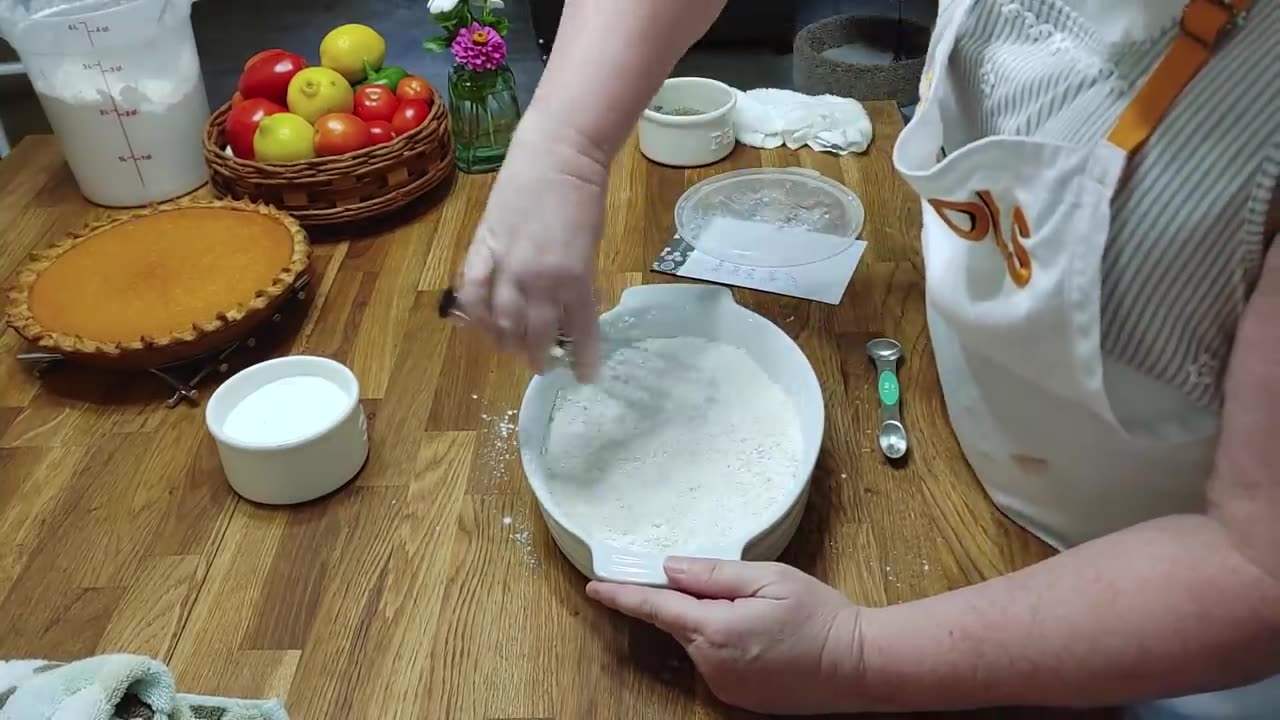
x=769 y=118
x=106 y=687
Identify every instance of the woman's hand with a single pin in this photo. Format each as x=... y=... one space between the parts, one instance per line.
x=529 y=270
x=765 y=636
x=528 y=274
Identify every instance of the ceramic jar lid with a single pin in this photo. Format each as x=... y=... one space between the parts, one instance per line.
x=773 y=217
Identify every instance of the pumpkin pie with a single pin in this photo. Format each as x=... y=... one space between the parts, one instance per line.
x=160 y=285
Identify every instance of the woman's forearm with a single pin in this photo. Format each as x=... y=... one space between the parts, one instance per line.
x=1163 y=609
x=609 y=59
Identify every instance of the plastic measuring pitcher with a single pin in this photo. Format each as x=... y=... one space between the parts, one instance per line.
x=120 y=83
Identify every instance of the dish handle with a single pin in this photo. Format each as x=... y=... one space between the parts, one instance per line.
x=666 y=295
x=631 y=567
x=613 y=564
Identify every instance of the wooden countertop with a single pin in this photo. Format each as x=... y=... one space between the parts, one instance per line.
x=430 y=588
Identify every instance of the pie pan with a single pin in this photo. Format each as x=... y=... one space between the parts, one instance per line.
x=211 y=309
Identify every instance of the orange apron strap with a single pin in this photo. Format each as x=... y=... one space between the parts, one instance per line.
x=1205 y=24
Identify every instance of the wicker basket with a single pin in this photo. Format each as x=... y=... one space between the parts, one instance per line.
x=336 y=190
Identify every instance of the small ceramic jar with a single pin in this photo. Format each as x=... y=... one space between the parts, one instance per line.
x=689 y=123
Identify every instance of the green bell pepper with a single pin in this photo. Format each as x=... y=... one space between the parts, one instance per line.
x=390 y=76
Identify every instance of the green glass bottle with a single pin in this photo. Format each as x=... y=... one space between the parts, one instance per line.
x=485 y=111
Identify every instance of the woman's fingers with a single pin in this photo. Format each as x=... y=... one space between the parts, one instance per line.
x=476 y=290
x=529 y=319
x=720 y=579
x=540 y=331
x=673 y=612
x=582 y=323
x=509 y=313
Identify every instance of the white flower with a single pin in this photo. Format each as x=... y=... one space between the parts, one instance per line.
x=439 y=7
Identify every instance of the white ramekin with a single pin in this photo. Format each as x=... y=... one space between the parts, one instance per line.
x=690 y=140
x=302 y=469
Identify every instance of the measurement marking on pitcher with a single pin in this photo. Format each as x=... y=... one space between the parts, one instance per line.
x=120 y=114
x=89 y=30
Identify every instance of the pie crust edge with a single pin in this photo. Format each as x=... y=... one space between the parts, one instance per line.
x=18 y=312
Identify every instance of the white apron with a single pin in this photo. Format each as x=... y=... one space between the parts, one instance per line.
x=1068 y=444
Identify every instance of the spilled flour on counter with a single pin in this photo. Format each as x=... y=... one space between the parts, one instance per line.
x=682 y=443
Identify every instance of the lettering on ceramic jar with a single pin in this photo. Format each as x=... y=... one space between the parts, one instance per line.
x=722 y=138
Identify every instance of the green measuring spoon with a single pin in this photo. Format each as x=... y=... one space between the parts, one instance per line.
x=893 y=436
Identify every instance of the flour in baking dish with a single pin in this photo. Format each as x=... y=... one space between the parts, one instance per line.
x=684 y=443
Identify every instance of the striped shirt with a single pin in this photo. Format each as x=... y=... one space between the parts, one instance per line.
x=1201 y=202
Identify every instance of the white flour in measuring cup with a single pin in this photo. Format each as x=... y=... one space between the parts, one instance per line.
x=159 y=156
x=120 y=83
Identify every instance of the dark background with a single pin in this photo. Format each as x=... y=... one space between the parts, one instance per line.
x=748 y=48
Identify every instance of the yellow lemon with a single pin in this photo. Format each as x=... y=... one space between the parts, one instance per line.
x=318 y=91
x=345 y=49
x=283 y=137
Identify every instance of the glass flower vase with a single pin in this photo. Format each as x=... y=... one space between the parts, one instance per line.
x=485 y=111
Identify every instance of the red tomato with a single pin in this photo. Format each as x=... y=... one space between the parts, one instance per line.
x=340 y=133
x=272 y=51
x=268 y=74
x=380 y=132
x=375 y=102
x=236 y=98
x=409 y=115
x=414 y=88
x=243 y=121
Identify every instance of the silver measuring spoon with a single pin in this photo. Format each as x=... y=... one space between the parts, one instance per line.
x=893 y=436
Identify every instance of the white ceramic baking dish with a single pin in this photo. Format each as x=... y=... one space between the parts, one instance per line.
x=689 y=140
x=657 y=311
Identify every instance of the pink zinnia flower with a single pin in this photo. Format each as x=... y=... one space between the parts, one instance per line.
x=479 y=48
